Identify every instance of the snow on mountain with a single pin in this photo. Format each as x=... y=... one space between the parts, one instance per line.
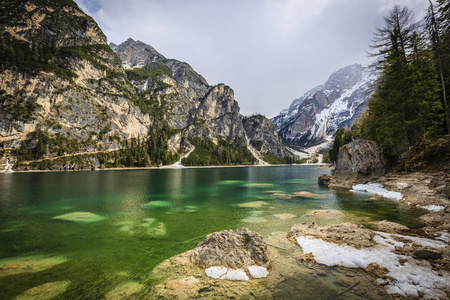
x=319 y=113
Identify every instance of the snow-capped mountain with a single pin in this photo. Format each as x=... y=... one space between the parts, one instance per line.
x=320 y=112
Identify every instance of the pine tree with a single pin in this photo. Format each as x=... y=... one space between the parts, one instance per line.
x=438 y=27
x=404 y=109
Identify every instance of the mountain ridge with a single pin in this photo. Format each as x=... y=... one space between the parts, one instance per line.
x=318 y=114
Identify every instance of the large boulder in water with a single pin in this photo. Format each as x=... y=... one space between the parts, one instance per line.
x=361 y=157
x=232 y=249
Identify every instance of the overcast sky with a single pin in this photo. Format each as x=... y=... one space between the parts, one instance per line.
x=269 y=51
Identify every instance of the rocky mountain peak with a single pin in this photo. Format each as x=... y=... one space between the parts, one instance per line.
x=345 y=77
x=136 y=54
x=320 y=112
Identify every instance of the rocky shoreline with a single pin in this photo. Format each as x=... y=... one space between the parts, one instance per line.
x=386 y=260
x=379 y=261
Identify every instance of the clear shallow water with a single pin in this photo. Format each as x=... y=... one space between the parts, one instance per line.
x=135 y=236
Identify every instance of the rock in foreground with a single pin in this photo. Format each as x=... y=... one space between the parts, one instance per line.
x=361 y=157
x=232 y=249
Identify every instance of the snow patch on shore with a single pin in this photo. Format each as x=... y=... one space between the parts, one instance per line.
x=435 y=208
x=410 y=276
x=378 y=189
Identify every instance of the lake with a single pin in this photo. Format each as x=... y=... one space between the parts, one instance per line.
x=141 y=217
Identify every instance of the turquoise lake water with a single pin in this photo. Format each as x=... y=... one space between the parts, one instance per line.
x=146 y=216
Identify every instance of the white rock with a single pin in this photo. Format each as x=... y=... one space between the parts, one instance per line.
x=216 y=272
x=235 y=275
x=402 y=185
x=258 y=272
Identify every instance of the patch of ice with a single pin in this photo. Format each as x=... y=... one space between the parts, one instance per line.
x=235 y=275
x=444 y=236
x=377 y=189
x=435 y=208
x=410 y=277
x=258 y=272
x=216 y=272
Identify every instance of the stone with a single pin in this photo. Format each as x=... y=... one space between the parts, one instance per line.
x=232 y=249
x=46 y=291
x=344 y=233
x=258 y=271
x=184 y=288
x=79 y=217
x=308 y=195
x=254 y=204
x=324 y=179
x=390 y=227
x=28 y=264
x=362 y=157
x=157 y=203
x=427 y=254
x=127 y=290
x=402 y=185
x=285 y=216
x=376 y=271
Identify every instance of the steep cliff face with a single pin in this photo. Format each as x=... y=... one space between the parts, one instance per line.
x=263 y=136
x=58 y=76
x=182 y=96
x=323 y=110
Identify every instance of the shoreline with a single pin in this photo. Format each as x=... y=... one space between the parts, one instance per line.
x=167 y=167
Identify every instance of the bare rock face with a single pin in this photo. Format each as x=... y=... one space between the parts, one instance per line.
x=233 y=249
x=361 y=157
x=263 y=135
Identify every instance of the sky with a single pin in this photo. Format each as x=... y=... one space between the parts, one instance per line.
x=270 y=52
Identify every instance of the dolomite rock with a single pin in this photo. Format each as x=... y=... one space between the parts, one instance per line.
x=361 y=157
x=232 y=249
x=263 y=133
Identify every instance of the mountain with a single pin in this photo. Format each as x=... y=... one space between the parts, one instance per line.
x=62 y=88
x=263 y=137
x=320 y=112
x=182 y=97
x=68 y=101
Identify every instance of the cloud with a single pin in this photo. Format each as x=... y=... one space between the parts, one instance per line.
x=269 y=51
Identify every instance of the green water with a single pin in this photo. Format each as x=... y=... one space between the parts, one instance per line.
x=147 y=216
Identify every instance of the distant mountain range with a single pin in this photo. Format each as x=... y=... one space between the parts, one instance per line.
x=65 y=92
x=320 y=112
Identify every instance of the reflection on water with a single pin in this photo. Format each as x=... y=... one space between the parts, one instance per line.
x=150 y=215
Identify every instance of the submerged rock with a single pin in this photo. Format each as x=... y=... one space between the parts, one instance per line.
x=254 y=204
x=285 y=216
x=29 y=264
x=232 y=249
x=46 y=291
x=157 y=203
x=307 y=195
x=127 y=290
x=79 y=217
